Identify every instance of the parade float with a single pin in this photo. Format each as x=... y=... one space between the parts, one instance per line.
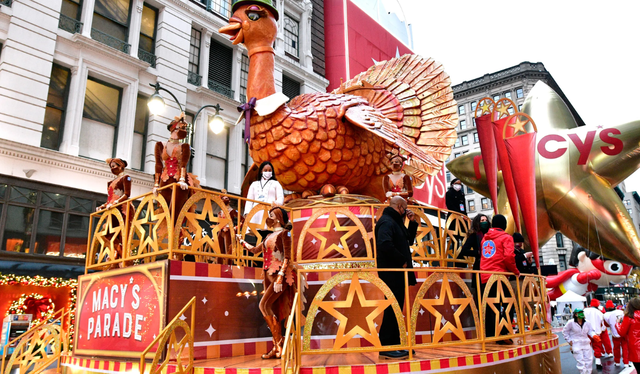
x=171 y=284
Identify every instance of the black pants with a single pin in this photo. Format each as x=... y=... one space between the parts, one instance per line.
x=490 y=315
x=389 y=330
x=637 y=366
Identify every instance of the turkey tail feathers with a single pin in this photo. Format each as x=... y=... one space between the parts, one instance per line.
x=416 y=95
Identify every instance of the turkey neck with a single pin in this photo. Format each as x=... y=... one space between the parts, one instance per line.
x=260 y=81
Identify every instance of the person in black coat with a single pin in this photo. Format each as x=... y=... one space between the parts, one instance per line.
x=393 y=241
x=471 y=247
x=455 y=197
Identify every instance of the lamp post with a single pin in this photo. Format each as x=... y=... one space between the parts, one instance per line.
x=157 y=105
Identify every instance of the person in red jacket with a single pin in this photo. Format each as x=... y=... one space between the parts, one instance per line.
x=629 y=329
x=496 y=255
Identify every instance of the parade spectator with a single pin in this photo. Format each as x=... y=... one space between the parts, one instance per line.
x=611 y=317
x=629 y=329
x=393 y=242
x=577 y=333
x=567 y=309
x=596 y=319
x=496 y=256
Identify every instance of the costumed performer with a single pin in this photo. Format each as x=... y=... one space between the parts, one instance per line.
x=577 y=333
x=118 y=190
x=172 y=158
x=397 y=183
x=629 y=329
x=266 y=189
x=596 y=319
x=279 y=276
x=611 y=318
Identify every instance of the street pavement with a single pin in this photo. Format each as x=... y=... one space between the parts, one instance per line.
x=569 y=363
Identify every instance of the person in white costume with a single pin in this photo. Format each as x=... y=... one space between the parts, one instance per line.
x=577 y=332
x=611 y=317
x=595 y=317
x=266 y=189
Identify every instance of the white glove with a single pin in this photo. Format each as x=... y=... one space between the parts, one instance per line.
x=389 y=193
x=155 y=191
x=277 y=287
x=183 y=185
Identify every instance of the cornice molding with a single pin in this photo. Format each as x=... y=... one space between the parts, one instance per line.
x=95 y=46
x=54 y=159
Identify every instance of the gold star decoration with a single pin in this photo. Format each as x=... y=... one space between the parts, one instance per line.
x=150 y=238
x=532 y=295
x=364 y=325
x=485 y=106
x=503 y=109
x=446 y=299
x=333 y=224
x=576 y=170
x=518 y=125
x=199 y=241
x=108 y=237
x=500 y=299
x=254 y=227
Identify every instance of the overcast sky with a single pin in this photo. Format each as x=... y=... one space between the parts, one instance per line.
x=592 y=49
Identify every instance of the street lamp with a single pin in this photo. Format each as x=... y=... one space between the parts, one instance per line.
x=156 y=106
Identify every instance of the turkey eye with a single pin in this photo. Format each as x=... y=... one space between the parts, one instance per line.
x=253 y=16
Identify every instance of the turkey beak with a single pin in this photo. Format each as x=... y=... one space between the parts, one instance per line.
x=234 y=29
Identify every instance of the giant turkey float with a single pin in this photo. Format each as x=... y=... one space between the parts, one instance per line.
x=178 y=281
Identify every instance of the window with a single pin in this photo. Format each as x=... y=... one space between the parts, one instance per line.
x=222 y=7
x=140 y=134
x=465 y=140
x=463 y=124
x=461 y=109
x=473 y=105
x=510 y=110
x=291 y=38
x=40 y=219
x=475 y=137
x=457 y=143
x=496 y=98
x=469 y=190
x=630 y=211
x=244 y=76
x=507 y=94
x=559 y=240
x=457 y=155
x=627 y=202
x=519 y=93
x=194 y=58
x=474 y=121
x=562 y=262
x=448 y=174
x=111 y=23
x=70 y=16
x=520 y=108
x=217 y=158
x=100 y=117
x=472 y=206
x=290 y=87
x=147 y=49
x=56 y=107
x=486 y=203
x=220 y=63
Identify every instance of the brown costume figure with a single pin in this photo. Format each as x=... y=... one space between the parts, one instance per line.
x=279 y=281
x=224 y=235
x=397 y=183
x=118 y=190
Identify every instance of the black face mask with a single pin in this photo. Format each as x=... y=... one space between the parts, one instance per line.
x=485 y=226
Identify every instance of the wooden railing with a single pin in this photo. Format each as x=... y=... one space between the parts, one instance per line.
x=147 y=228
x=170 y=347
x=40 y=346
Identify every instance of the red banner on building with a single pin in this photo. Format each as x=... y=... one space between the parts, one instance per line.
x=120 y=312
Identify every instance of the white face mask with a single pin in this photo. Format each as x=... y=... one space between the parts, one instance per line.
x=267 y=175
x=457 y=187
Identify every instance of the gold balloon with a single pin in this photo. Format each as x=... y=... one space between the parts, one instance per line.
x=576 y=170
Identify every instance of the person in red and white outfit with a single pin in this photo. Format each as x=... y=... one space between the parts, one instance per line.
x=611 y=317
x=596 y=319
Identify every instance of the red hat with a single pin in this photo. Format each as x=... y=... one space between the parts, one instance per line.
x=595 y=303
x=609 y=304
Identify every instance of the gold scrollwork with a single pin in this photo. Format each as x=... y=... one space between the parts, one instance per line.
x=177 y=350
x=150 y=228
x=456 y=229
x=510 y=300
x=251 y=228
x=442 y=326
x=109 y=233
x=37 y=350
x=533 y=309
x=355 y=293
x=426 y=247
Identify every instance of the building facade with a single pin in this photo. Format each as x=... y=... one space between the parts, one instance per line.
x=513 y=83
x=75 y=77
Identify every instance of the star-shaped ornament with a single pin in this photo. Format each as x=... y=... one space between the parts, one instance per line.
x=502 y=300
x=323 y=233
x=442 y=326
x=576 y=170
x=361 y=316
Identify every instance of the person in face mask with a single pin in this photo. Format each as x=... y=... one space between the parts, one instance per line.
x=471 y=247
x=455 y=197
x=265 y=189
